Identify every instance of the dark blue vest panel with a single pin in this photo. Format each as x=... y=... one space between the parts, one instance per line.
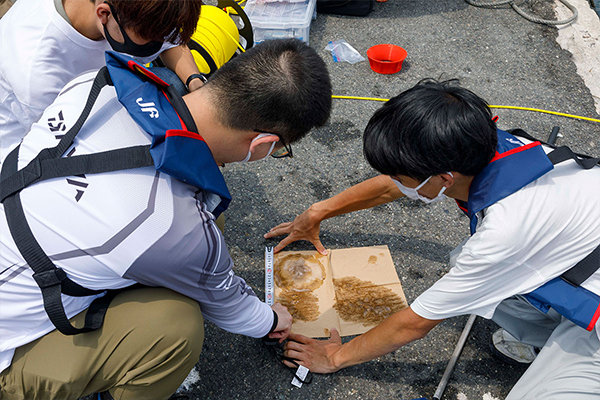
x=573 y=302
x=175 y=149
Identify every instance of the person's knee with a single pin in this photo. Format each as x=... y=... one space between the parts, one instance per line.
x=161 y=316
x=162 y=344
x=186 y=327
x=178 y=320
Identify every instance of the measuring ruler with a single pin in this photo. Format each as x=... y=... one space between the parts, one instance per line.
x=269 y=286
x=302 y=371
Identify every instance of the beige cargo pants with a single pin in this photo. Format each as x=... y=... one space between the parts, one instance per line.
x=150 y=340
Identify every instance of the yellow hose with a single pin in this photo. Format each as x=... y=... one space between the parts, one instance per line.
x=359 y=98
x=491 y=106
x=547 y=112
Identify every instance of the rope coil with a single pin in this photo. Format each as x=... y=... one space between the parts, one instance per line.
x=523 y=13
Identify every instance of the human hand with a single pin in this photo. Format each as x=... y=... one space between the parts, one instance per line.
x=284 y=323
x=305 y=226
x=316 y=355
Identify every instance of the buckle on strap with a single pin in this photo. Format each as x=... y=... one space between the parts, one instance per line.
x=50 y=278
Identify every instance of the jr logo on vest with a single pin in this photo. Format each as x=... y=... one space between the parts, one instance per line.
x=148 y=107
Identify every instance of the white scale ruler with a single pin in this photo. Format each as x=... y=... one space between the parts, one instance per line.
x=269 y=286
x=269 y=299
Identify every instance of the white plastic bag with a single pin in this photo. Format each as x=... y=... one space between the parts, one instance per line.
x=342 y=51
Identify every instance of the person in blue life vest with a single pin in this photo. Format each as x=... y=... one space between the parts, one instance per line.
x=531 y=222
x=143 y=213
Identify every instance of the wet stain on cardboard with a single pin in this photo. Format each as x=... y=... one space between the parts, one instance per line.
x=302 y=305
x=364 y=302
x=299 y=272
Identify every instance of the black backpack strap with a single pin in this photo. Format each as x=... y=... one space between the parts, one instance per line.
x=50 y=164
x=52 y=280
x=559 y=154
x=521 y=133
x=39 y=170
x=12 y=180
x=181 y=109
x=585 y=268
x=564 y=153
x=102 y=79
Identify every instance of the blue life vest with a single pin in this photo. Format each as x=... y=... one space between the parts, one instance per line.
x=177 y=149
x=514 y=166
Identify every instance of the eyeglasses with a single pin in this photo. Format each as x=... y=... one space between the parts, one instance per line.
x=285 y=151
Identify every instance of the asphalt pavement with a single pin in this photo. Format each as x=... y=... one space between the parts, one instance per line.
x=496 y=53
x=499 y=55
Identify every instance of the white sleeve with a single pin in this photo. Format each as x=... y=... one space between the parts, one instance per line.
x=470 y=287
x=250 y=317
x=494 y=264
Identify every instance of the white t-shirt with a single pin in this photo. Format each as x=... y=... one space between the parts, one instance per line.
x=110 y=230
x=522 y=242
x=41 y=52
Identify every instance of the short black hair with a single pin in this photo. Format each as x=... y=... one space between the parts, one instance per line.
x=279 y=86
x=430 y=129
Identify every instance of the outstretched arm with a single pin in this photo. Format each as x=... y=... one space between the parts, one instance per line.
x=326 y=356
x=370 y=193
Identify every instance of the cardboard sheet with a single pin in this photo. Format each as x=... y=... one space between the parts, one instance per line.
x=351 y=289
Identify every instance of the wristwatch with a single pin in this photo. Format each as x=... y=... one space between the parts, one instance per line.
x=190 y=78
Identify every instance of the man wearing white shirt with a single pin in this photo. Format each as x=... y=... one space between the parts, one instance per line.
x=531 y=222
x=113 y=229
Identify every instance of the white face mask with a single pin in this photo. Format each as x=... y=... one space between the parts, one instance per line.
x=412 y=193
x=262 y=135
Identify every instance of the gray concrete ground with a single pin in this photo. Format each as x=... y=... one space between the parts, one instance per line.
x=496 y=53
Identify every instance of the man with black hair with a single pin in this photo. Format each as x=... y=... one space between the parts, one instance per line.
x=530 y=220
x=46 y=43
x=114 y=229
